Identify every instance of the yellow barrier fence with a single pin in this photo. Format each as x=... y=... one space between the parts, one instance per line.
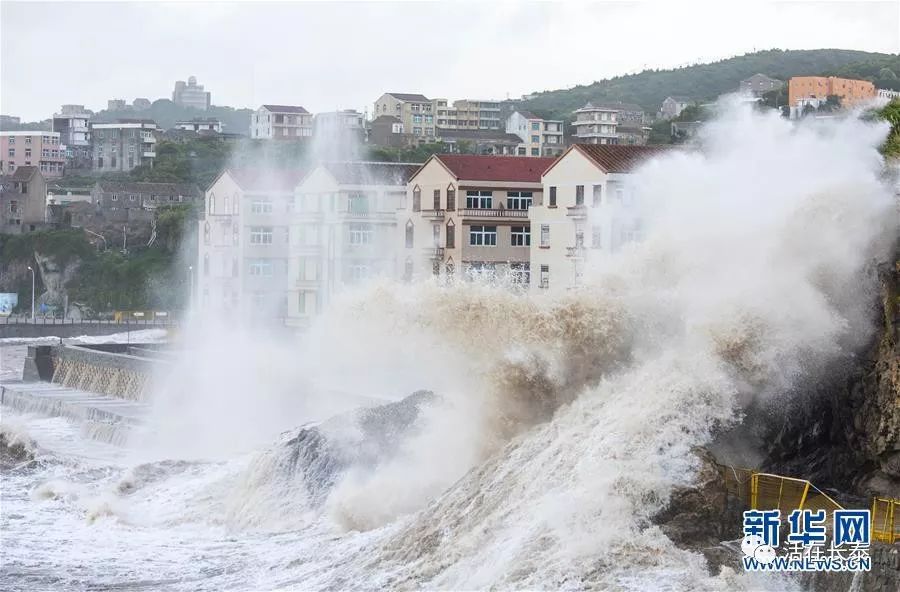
x=765 y=491
x=886 y=520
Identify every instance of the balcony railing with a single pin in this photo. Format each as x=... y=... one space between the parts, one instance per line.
x=579 y=211
x=434 y=252
x=373 y=215
x=494 y=213
x=148 y=154
x=433 y=214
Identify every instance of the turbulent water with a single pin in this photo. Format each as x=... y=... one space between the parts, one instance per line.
x=558 y=425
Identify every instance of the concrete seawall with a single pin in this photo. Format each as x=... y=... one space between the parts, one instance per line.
x=60 y=329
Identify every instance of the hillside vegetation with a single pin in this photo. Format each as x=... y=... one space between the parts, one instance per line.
x=705 y=82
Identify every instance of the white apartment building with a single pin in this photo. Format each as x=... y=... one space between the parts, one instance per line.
x=586 y=211
x=244 y=243
x=596 y=124
x=468 y=114
x=540 y=137
x=343 y=231
x=469 y=214
x=281 y=122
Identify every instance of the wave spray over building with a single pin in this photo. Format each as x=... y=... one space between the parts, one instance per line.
x=510 y=440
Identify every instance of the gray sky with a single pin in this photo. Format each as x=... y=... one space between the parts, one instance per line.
x=344 y=55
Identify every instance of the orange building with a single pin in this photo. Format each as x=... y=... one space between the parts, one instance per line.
x=850 y=91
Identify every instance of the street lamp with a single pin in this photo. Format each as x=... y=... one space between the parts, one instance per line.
x=31 y=269
x=191 y=301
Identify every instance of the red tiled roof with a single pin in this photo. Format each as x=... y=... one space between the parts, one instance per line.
x=524 y=169
x=618 y=158
x=285 y=109
x=268 y=179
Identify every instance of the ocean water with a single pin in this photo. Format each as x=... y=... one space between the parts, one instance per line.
x=558 y=425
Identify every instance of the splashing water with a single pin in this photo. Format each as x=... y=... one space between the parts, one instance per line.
x=559 y=426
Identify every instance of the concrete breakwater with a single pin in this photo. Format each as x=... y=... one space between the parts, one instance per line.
x=116 y=370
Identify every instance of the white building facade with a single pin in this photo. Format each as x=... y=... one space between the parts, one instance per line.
x=281 y=122
x=540 y=137
x=586 y=211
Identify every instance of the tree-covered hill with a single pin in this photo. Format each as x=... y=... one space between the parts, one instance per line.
x=165 y=113
x=705 y=82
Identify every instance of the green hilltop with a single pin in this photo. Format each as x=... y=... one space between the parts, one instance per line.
x=704 y=82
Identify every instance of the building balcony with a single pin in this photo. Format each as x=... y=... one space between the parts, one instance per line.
x=433 y=214
x=308 y=284
x=434 y=252
x=494 y=213
x=374 y=215
x=576 y=252
x=577 y=212
x=148 y=154
x=148 y=139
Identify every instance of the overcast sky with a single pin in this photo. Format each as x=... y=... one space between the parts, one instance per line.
x=344 y=55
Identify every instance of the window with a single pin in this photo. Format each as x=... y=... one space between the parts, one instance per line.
x=13 y=207
x=28 y=153
x=409 y=234
x=261 y=267
x=361 y=234
x=301 y=302
x=115 y=197
x=437 y=199
x=417 y=131
x=260 y=235
x=579 y=195
x=417 y=199
x=596 y=237
x=478 y=200
x=358 y=203
x=545 y=235
x=552 y=197
x=359 y=272
x=451 y=235
x=535 y=126
x=535 y=151
x=545 y=276
x=212 y=204
x=28 y=139
x=483 y=236
x=206 y=233
x=12 y=141
x=451 y=198
x=598 y=195
x=535 y=139
x=12 y=152
x=520 y=236
x=417 y=119
x=258 y=206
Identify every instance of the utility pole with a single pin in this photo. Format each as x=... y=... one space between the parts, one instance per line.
x=191 y=279
x=31 y=269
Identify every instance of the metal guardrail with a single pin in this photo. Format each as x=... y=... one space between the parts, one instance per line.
x=26 y=320
x=765 y=491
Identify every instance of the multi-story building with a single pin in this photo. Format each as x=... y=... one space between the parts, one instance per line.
x=477 y=141
x=887 y=94
x=209 y=124
x=596 y=124
x=118 y=195
x=387 y=130
x=281 y=122
x=759 y=84
x=540 y=137
x=467 y=114
x=673 y=106
x=339 y=134
x=191 y=94
x=123 y=145
x=586 y=211
x=336 y=122
x=415 y=112
x=23 y=200
x=75 y=134
x=32 y=148
x=850 y=91
x=244 y=243
x=468 y=214
x=343 y=231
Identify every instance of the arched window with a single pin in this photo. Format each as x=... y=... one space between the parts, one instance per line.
x=206 y=233
x=409 y=234
x=451 y=235
x=449 y=267
x=206 y=264
x=417 y=199
x=234 y=204
x=451 y=198
x=227 y=205
x=212 y=203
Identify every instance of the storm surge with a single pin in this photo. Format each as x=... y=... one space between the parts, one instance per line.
x=515 y=440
